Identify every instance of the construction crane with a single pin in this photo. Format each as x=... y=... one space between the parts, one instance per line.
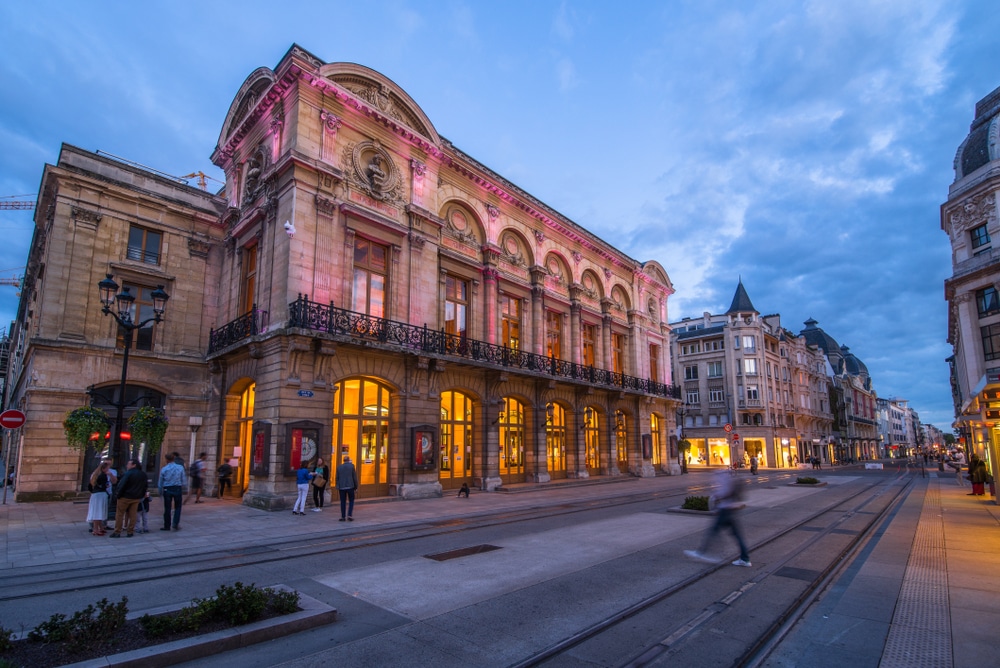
x=14 y=203
x=203 y=179
x=14 y=282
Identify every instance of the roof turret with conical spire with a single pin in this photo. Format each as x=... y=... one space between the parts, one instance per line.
x=741 y=301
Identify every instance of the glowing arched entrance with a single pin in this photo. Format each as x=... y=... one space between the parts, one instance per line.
x=361 y=430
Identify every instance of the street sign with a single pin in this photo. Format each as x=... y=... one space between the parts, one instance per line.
x=305 y=393
x=11 y=419
x=728 y=427
x=736 y=437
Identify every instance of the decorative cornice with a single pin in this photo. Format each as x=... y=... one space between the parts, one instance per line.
x=273 y=96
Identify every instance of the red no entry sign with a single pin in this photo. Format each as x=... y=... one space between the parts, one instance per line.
x=11 y=419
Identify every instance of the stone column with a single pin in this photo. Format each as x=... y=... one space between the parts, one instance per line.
x=537 y=345
x=536 y=465
x=490 y=279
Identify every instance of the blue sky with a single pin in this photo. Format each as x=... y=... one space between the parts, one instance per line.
x=803 y=146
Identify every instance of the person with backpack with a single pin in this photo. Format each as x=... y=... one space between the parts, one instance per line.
x=727 y=501
x=225 y=472
x=197 y=473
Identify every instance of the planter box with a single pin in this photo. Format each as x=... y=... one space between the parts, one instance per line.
x=313 y=614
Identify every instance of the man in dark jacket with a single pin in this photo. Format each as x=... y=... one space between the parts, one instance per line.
x=131 y=490
x=347 y=483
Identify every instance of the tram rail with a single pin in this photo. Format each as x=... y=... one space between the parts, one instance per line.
x=661 y=649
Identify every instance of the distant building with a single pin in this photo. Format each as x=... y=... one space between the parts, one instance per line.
x=969 y=217
x=855 y=429
x=359 y=287
x=898 y=427
x=745 y=371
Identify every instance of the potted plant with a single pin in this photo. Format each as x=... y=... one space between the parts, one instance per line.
x=85 y=424
x=148 y=425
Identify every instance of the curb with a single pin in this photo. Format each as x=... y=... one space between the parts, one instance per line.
x=313 y=613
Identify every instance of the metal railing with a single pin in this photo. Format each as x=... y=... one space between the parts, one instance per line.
x=245 y=326
x=328 y=318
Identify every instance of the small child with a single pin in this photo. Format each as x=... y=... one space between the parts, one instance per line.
x=143 y=520
x=464 y=490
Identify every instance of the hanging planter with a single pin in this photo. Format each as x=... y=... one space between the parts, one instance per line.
x=85 y=426
x=148 y=425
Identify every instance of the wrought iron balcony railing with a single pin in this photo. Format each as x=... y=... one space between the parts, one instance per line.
x=245 y=326
x=328 y=318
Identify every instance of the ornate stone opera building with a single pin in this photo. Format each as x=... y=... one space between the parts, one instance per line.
x=360 y=286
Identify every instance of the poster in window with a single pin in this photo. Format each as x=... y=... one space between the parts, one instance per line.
x=424 y=446
x=647 y=446
x=302 y=446
x=259 y=450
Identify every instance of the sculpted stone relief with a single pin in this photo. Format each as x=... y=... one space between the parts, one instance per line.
x=374 y=172
x=460 y=225
x=971 y=213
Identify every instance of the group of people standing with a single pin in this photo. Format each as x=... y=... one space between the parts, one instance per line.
x=132 y=498
x=131 y=492
x=318 y=479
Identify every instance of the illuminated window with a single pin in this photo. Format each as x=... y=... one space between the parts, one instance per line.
x=456 y=305
x=589 y=337
x=510 y=321
x=553 y=334
x=371 y=269
x=249 y=279
x=618 y=353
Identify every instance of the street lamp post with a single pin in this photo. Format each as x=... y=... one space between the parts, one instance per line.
x=124 y=302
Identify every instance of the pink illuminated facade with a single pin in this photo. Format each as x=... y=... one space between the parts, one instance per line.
x=366 y=288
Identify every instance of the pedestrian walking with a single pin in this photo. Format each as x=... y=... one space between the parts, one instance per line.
x=727 y=503
x=302 y=479
x=225 y=472
x=171 y=491
x=753 y=465
x=131 y=490
x=197 y=473
x=347 y=485
x=97 y=511
x=320 y=480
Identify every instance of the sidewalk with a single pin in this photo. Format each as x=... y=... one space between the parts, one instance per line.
x=924 y=592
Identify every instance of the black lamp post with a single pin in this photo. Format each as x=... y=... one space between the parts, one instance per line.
x=122 y=313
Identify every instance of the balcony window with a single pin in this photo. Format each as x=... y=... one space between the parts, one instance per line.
x=691 y=373
x=510 y=317
x=144 y=245
x=589 y=345
x=553 y=334
x=618 y=353
x=715 y=369
x=456 y=305
x=370 y=277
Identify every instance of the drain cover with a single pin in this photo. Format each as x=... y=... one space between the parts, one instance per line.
x=461 y=552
